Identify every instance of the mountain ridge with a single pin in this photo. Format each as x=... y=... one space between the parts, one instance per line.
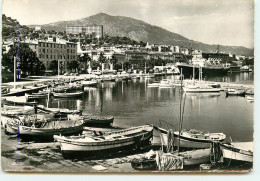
x=141 y=31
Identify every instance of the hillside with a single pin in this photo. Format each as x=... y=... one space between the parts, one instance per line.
x=136 y=30
x=11 y=28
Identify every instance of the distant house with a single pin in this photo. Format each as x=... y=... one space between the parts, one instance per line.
x=88 y=29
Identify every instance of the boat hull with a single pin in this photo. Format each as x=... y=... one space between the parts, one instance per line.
x=232 y=153
x=69 y=146
x=211 y=90
x=187 y=71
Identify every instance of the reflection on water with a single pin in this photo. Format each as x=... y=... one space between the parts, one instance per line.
x=245 y=78
x=133 y=104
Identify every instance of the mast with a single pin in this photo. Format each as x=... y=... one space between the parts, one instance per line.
x=180 y=115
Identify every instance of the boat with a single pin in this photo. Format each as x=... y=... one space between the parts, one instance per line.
x=19 y=101
x=165 y=83
x=14 y=111
x=213 y=70
x=35 y=96
x=232 y=151
x=89 y=83
x=153 y=84
x=190 y=138
x=131 y=137
x=158 y=160
x=200 y=86
x=98 y=120
x=235 y=92
x=44 y=128
x=148 y=76
x=42 y=108
x=67 y=95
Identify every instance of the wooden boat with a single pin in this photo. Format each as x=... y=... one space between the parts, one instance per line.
x=35 y=96
x=45 y=128
x=172 y=161
x=190 y=138
x=57 y=110
x=67 y=95
x=89 y=83
x=14 y=111
x=235 y=92
x=98 y=121
x=235 y=152
x=134 y=136
x=15 y=101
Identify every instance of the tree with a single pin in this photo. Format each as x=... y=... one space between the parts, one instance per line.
x=54 y=66
x=27 y=62
x=84 y=59
x=73 y=65
x=102 y=60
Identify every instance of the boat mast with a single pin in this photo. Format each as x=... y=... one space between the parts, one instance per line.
x=180 y=115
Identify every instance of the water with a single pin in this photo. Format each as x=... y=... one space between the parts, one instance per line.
x=132 y=103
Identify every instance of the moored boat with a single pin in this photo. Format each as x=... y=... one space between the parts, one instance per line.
x=67 y=95
x=235 y=92
x=98 y=120
x=108 y=141
x=234 y=152
x=89 y=83
x=190 y=138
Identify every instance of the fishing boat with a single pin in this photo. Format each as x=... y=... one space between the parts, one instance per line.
x=158 y=160
x=17 y=101
x=235 y=92
x=98 y=120
x=235 y=152
x=42 y=108
x=131 y=137
x=89 y=83
x=45 y=128
x=14 y=111
x=67 y=95
x=190 y=138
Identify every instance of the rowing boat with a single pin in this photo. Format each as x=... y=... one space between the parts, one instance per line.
x=67 y=95
x=108 y=141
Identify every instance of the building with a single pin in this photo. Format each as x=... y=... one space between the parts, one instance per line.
x=89 y=29
x=37 y=28
x=54 y=49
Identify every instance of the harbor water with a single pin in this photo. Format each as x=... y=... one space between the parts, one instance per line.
x=132 y=103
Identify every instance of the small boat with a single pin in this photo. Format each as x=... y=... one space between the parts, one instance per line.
x=35 y=96
x=17 y=101
x=235 y=152
x=154 y=84
x=98 y=121
x=172 y=161
x=67 y=95
x=235 y=92
x=57 y=110
x=89 y=83
x=190 y=138
x=45 y=128
x=131 y=137
x=14 y=111
x=165 y=83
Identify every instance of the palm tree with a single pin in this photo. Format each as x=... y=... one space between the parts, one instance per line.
x=85 y=59
x=102 y=60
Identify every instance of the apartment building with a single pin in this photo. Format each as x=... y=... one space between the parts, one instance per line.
x=88 y=29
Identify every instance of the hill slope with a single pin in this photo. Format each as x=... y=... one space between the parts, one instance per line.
x=141 y=31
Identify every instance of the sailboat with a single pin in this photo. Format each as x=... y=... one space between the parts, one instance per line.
x=186 y=139
x=200 y=87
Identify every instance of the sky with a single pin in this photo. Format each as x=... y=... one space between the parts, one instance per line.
x=224 y=22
